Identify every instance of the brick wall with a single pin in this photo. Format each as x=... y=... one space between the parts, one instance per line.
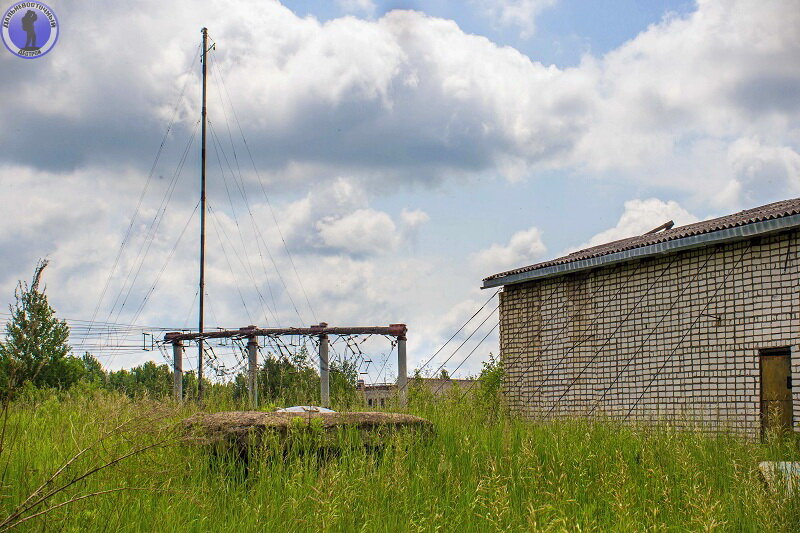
x=675 y=336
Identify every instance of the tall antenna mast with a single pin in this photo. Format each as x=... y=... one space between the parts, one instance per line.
x=202 y=222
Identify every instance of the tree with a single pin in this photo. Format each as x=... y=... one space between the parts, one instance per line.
x=36 y=348
x=288 y=379
x=149 y=378
x=294 y=380
x=93 y=370
x=490 y=385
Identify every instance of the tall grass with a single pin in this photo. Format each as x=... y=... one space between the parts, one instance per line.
x=480 y=471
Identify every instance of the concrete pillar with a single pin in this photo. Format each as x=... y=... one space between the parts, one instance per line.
x=402 y=369
x=252 y=371
x=177 y=373
x=324 y=372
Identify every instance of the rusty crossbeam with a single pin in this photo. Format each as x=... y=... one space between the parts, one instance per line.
x=394 y=330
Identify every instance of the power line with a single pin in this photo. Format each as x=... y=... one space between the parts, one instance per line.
x=613 y=333
x=518 y=382
x=653 y=330
x=467 y=339
x=266 y=197
x=258 y=234
x=166 y=262
x=459 y=329
x=214 y=224
x=152 y=229
x=146 y=186
x=480 y=343
x=165 y=265
x=247 y=268
x=688 y=330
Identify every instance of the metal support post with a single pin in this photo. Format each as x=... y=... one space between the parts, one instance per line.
x=402 y=369
x=177 y=374
x=252 y=371
x=324 y=372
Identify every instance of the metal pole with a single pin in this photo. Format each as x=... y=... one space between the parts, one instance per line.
x=202 y=221
x=324 y=372
x=402 y=369
x=252 y=371
x=177 y=374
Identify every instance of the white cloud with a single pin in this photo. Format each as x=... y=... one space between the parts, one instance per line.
x=756 y=166
x=703 y=106
x=515 y=13
x=639 y=217
x=413 y=98
x=412 y=221
x=368 y=231
x=364 y=231
x=524 y=248
x=403 y=93
x=366 y=7
x=330 y=200
x=670 y=102
x=335 y=217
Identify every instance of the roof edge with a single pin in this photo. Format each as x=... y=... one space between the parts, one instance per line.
x=737 y=233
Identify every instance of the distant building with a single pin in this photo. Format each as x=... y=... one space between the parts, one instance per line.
x=697 y=323
x=380 y=394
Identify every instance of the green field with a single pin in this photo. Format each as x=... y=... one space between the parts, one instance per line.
x=480 y=472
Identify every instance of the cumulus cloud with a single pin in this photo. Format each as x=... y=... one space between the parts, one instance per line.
x=330 y=200
x=640 y=216
x=368 y=231
x=703 y=106
x=670 y=102
x=756 y=166
x=524 y=248
x=515 y=13
x=365 y=7
x=401 y=93
x=335 y=217
x=412 y=220
x=411 y=98
x=364 y=231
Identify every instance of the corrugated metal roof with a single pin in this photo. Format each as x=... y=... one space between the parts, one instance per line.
x=749 y=216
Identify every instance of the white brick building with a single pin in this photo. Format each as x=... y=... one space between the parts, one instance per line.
x=694 y=324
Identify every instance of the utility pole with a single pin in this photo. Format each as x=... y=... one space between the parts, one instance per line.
x=324 y=373
x=252 y=368
x=200 y=354
x=402 y=369
x=177 y=373
x=324 y=367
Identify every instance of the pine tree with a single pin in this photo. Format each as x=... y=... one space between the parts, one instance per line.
x=36 y=348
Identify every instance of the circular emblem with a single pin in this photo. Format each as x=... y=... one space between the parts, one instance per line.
x=29 y=29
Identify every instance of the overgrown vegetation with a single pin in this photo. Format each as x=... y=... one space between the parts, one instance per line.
x=282 y=381
x=102 y=451
x=479 y=472
x=36 y=355
x=35 y=348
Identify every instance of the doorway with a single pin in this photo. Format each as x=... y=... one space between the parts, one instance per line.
x=776 y=390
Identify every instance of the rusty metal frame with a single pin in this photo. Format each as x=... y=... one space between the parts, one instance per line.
x=394 y=330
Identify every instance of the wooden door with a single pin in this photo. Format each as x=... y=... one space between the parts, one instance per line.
x=776 y=390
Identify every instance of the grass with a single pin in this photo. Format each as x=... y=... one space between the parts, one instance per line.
x=478 y=473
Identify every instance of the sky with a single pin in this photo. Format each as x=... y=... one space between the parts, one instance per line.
x=371 y=162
